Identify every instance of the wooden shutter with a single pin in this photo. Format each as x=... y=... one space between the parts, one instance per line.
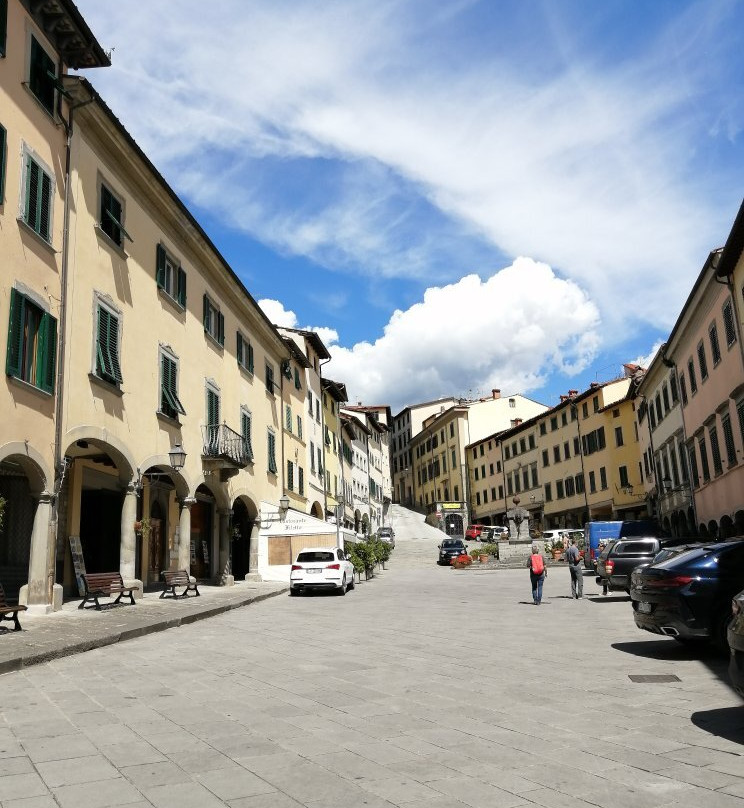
x=272 y=453
x=205 y=312
x=15 y=335
x=213 y=408
x=298 y=386
x=41 y=83
x=108 y=345
x=290 y=475
x=3 y=134
x=160 y=266
x=3 y=26
x=240 y=348
x=48 y=347
x=301 y=481
x=220 y=328
x=250 y=357
x=181 y=287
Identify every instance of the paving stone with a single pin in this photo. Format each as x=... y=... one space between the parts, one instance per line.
x=13 y=786
x=229 y=784
x=97 y=795
x=77 y=770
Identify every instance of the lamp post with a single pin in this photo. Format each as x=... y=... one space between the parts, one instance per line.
x=177 y=457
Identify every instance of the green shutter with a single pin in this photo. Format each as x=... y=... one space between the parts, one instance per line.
x=3 y=135
x=160 y=266
x=301 y=481
x=250 y=357
x=3 y=26
x=205 y=312
x=288 y=417
x=45 y=206
x=38 y=202
x=298 y=386
x=170 y=404
x=245 y=428
x=220 y=328
x=108 y=346
x=181 y=287
x=42 y=76
x=290 y=475
x=213 y=408
x=48 y=352
x=15 y=335
x=272 y=453
x=240 y=348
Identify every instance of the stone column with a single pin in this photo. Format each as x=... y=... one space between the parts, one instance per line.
x=184 y=534
x=36 y=594
x=128 y=547
x=225 y=568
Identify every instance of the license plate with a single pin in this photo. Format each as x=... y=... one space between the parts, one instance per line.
x=310 y=571
x=644 y=607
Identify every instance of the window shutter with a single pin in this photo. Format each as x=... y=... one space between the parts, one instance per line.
x=160 y=266
x=245 y=426
x=181 y=287
x=213 y=408
x=220 y=328
x=3 y=25
x=205 y=312
x=15 y=335
x=298 y=386
x=112 y=347
x=45 y=206
x=48 y=351
x=32 y=194
x=3 y=134
x=250 y=357
x=272 y=453
x=240 y=348
x=301 y=480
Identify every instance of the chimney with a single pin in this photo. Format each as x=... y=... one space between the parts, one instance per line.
x=563 y=399
x=496 y=393
x=573 y=392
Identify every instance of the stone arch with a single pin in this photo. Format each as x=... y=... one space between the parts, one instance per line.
x=727 y=527
x=244 y=536
x=31 y=461
x=316 y=510
x=739 y=523
x=107 y=442
x=161 y=464
x=713 y=529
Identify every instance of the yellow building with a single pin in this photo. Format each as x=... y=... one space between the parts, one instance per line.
x=37 y=47
x=294 y=445
x=334 y=396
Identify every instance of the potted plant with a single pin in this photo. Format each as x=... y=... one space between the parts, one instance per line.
x=462 y=561
x=475 y=554
x=557 y=549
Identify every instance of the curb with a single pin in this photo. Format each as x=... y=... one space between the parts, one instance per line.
x=131 y=634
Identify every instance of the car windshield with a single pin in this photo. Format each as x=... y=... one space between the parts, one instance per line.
x=315 y=555
x=452 y=543
x=631 y=547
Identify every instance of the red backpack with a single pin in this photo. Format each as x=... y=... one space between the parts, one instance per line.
x=537 y=565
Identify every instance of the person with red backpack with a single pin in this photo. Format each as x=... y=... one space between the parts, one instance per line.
x=538 y=573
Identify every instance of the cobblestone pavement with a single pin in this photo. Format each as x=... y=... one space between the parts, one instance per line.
x=425 y=687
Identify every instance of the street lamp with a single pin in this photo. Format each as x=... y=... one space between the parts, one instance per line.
x=177 y=457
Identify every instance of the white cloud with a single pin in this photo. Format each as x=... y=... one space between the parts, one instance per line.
x=508 y=332
x=588 y=168
x=286 y=318
x=645 y=361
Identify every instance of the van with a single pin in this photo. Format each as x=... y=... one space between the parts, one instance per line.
x=594 y=532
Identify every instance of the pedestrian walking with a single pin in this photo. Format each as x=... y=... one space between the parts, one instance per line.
x=573 y=556
x=538 y=573
x=600 y=550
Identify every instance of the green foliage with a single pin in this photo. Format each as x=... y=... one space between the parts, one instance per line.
x=475 y=553
x=490 y=549
x=382 y=550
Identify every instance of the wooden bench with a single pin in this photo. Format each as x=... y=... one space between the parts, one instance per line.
x=174 y=578
x=105 y=584
x=9 y=612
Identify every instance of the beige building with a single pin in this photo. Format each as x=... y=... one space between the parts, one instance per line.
x=294 y=445
x=334 y=397
x=38 y=44
x=486 y=474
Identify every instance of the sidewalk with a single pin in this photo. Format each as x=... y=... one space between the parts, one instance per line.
x=71 y=630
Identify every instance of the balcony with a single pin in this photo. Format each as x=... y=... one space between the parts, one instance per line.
x=224 y=450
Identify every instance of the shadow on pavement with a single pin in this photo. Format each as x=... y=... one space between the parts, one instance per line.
x=725 y=722
x=599 y=598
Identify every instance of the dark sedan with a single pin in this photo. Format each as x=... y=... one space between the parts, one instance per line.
x=449 y=549
x=688 y=596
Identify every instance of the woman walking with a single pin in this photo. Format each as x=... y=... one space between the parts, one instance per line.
x=538 y=573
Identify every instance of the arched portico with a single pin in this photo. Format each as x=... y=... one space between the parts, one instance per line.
x=316 y=510
x=244 y=537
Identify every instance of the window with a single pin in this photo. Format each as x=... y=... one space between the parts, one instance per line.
x=543 y=428
x=728 y=440
x=213 y=320
x=312 y=457
x=32 y=343
x=585 y=410
x=320 y=460
x=38 y=193
x=603 y=478
x=452 y=430
x=715 y=348
x=566 y=450
x=592 y=483
x=310 y=402
x=475 y=472
x=702 y=361
x=298 y=383
x=618 y=436
x=42 y=76
x=490 y=468
x=299 y=427
x=532 y=441
x=533 y=471
x=246 y=424
x=623 y=472
x=659 y=413
x=301 y=481
x=212 y=428
x=704 y=458
x=691 y=374
x=288 y=417
x=556 y=454
x=244 y=352
x=569 y=486
x=694 y=476
x=107 y=346
x=454 y=461
x=525 y=479
x=554 y=423
x=559 y=489
x=270 y=384
x=317 y=410
x=715 y=450
x=595 y=403
x=728 y=323
x=564 y=418
x=548 y=492
x=290 y=475
x=170 y=404
x=576 y=446
x=111 y=221
x=522 y=445
x=673 y=388
x=477 y=498
x=683 y=389
x=579 y=482
x=3 y=141
x=271 y=451
x=665 y=398
x=482 y=448
x=169 y=276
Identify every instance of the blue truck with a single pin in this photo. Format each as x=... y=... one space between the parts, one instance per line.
x=594 y=533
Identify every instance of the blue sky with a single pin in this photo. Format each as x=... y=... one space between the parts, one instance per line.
x=458 y=195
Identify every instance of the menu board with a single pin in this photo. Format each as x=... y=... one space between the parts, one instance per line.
x=78 y=562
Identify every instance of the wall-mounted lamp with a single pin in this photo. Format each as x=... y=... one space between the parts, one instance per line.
x=177 y=457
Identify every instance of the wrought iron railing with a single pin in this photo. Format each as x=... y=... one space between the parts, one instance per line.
x=222 y=442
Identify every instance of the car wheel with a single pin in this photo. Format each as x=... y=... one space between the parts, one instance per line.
x=341 y=591
x=719 y=628
x=293 y=592
x=352 y=585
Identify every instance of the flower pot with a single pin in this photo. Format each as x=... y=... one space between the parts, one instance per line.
x=138 y=526
x=557 y=554
x=483 y=558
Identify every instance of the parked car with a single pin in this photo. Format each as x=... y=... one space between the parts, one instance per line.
x=473 y=532
x=321 y=568
x=620 y=557
x=387 y=534
x=449 y=549
x=688 y=596
x=499 y=532
x=594 y=533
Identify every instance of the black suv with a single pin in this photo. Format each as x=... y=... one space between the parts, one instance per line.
x=449 y=549
x=620 y=557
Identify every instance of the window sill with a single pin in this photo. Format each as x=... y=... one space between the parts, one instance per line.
x=161 y=416
x=106 y=385
x=246 y=371
x=109 y=242
x=44 y=243
x=169 y=299
x=214 y=342
x=28 y=386
x=52 y=116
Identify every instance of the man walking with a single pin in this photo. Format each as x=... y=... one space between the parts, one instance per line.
x=573 y=556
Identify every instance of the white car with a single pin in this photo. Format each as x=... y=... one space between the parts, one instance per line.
x=321 y=568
